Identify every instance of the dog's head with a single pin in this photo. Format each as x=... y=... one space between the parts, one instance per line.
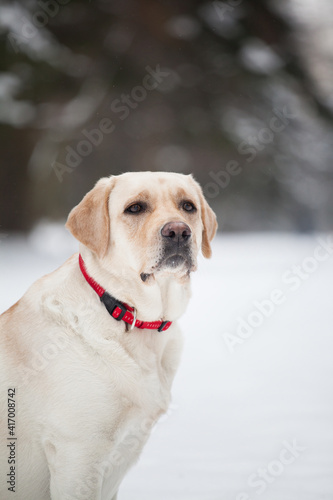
x=154 y=222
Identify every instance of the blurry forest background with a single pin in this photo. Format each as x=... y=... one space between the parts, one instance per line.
x=237 y=92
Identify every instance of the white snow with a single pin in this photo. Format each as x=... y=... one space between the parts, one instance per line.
x=234 y=411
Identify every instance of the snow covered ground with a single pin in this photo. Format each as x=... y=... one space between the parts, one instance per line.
x=252 y=412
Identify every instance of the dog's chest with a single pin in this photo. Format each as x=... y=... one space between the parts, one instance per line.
x=129 y=442
x=136 y=418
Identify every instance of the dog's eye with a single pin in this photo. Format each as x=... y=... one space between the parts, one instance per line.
x=188 y=206
x=135 y=208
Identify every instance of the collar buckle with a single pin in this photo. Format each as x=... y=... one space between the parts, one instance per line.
x=112 y=304
x=117 y=309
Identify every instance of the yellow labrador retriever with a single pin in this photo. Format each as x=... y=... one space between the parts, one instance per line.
x=88 y=355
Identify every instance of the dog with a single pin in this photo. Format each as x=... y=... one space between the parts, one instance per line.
x=89 y=353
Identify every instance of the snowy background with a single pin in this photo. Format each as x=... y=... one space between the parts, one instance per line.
x=247 y=86
x=237 y=408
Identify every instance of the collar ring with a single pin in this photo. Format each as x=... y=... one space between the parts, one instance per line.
x=134 y=319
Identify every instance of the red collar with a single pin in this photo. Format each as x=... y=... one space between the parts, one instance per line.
x=119 y=310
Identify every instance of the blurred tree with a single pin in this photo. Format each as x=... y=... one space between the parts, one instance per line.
x=226 y=90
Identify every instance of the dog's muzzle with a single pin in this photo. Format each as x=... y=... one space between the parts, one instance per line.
x=176 y=234
x=176 y=238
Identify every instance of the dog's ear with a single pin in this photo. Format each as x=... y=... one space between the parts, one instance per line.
x=210 y=227
x=89 y=221
x=209 y=223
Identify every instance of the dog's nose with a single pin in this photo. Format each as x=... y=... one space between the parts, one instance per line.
x=176 y=231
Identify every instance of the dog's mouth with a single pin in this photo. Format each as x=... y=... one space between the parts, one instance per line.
x=171 y=257
x=180 y=263
x=174 y=261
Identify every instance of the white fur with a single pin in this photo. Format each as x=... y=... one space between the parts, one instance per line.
x=87 y=391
